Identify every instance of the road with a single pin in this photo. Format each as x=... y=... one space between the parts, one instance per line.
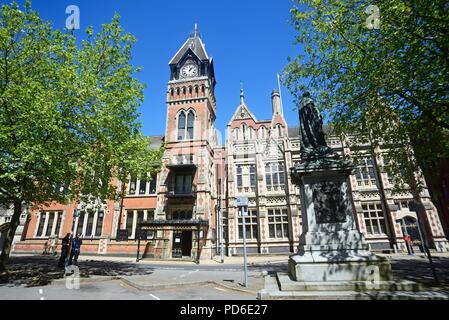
x=116 y=290
x=153 y=281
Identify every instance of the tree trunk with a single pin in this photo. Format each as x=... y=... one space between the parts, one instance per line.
x=15 y=221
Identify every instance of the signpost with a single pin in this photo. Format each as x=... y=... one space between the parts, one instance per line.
x=242 y=204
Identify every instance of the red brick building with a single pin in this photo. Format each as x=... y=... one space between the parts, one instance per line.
x=186 y=206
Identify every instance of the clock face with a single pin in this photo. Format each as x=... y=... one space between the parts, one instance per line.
x=189 y=70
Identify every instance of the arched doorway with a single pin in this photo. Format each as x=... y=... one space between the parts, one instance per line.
x=412 y=229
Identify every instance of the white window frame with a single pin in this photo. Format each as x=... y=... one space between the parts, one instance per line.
x=186 y=128
x=283 y=224
x=371 y=219
x=146 y=214
x=364 y=168
x=56 y=214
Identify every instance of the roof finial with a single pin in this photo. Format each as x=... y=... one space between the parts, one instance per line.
x=196 y=32
x=242 y=93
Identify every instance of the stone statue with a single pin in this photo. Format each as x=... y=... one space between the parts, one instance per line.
x=313 y=142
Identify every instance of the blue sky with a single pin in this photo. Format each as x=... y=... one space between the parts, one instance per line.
x=249 y=40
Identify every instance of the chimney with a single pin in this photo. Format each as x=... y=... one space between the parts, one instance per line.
x=276 y=102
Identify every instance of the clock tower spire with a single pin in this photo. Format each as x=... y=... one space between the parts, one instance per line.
x=188 y=178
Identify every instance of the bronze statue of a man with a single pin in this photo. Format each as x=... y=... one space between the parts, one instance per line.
x=311 y=134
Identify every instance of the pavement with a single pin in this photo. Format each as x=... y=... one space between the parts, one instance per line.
x=104 y=277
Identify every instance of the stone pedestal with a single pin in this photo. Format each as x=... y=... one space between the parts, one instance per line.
x=331 y=247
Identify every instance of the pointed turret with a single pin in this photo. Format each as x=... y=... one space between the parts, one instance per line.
x=276 y=103
x=195 y=44
x=192 y=61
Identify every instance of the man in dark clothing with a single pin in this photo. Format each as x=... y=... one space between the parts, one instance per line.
x=76 y=248
x=64 y=250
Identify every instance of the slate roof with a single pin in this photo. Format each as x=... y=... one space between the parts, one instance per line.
x=195 y=44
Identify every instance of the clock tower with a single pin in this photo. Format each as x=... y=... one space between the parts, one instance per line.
x=188 y=179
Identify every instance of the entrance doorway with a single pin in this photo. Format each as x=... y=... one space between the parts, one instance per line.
x=411 y=225
x=182 y=244
x=186 y=241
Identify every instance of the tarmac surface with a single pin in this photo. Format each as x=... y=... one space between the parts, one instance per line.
x=38 y=277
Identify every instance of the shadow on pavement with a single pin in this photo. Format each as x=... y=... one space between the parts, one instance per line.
x=33 y=271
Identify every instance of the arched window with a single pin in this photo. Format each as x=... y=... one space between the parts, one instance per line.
x=262 y=133
x=181 y=125
x=279 y=130
x=190 y=124
x=236 y=134
x=243 y=131
x=186 y=125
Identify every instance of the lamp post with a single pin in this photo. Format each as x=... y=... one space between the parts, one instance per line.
x=242 y=204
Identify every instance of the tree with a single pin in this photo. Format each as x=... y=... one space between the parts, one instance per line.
x=349 y=61
x=68 y=119
x=380 y=69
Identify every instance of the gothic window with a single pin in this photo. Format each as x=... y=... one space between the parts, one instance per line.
x=262 y=132
x=243 y=131
x=246 y=177
x=251 y=225
x=274 y=175
x=251 y=132
x=186 y=122
x=278 y=223
x=374 y=218
x=365 y=173
x=236 y=134
x=279 y=130
x=181 y=125
x=190 y=124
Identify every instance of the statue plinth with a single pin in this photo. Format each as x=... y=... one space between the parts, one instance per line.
x=331 y=247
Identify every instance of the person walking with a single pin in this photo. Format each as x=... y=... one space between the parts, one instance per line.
x=64 y=250
x=76 y=248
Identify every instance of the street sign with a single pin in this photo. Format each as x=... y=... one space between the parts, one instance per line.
x=242 y=201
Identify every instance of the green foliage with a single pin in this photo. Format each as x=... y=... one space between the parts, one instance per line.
x=391 y=82
x=68 y=113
